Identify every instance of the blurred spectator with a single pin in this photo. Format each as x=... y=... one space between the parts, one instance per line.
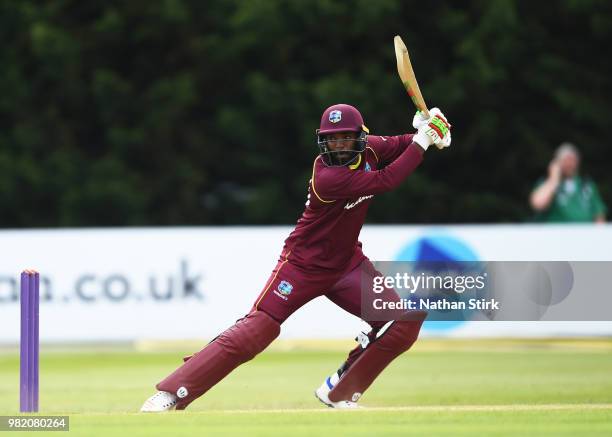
x=565 y=196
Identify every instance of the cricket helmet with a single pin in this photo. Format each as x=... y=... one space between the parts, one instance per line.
x=341 y=118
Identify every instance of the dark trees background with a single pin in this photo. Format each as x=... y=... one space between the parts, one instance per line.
x=203 y=112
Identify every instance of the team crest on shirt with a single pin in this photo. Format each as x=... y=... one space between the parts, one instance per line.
x=367 y=167
x=335 y=116
x=283 y=290
x=285 y=287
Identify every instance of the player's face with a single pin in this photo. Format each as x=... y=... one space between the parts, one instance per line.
x=342 y=141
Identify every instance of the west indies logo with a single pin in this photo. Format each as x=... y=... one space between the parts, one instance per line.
x=335 y=116
x=285 y=288
x=437 y=247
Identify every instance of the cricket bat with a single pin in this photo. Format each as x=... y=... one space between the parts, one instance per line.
x=406 y=74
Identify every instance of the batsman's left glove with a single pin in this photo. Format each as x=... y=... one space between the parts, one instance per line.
x=435 y=130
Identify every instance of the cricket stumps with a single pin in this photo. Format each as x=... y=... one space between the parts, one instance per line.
x=29 y=345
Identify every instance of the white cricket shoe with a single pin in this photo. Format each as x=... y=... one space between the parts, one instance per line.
x=160 y=401
x=322 y=394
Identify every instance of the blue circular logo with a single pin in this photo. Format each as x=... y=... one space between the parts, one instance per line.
x=437 y=247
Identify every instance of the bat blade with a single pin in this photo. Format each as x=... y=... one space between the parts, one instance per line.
x=406 y=74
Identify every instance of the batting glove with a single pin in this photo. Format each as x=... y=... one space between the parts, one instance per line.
x=435 y=131
x=446 y=141
x=419 y=119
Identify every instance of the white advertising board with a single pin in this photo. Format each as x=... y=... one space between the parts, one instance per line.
x=185 y=283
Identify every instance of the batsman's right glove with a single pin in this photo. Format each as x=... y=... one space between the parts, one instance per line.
x=419 y=119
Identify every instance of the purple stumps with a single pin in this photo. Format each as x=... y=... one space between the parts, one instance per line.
x=28 y=377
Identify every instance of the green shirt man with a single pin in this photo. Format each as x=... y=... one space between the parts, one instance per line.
x=564 y=196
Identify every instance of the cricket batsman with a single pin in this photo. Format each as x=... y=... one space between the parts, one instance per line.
x=322 y=256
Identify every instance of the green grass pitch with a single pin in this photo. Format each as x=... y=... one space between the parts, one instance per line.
x=440 y=387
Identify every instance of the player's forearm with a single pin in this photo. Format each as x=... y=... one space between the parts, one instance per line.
x=347 y=184
x=389 y=148
x=394 y=174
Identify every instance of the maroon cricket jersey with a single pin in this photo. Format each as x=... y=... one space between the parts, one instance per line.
x=326 y=236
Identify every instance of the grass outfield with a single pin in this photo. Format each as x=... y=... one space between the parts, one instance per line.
x=486 y=387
